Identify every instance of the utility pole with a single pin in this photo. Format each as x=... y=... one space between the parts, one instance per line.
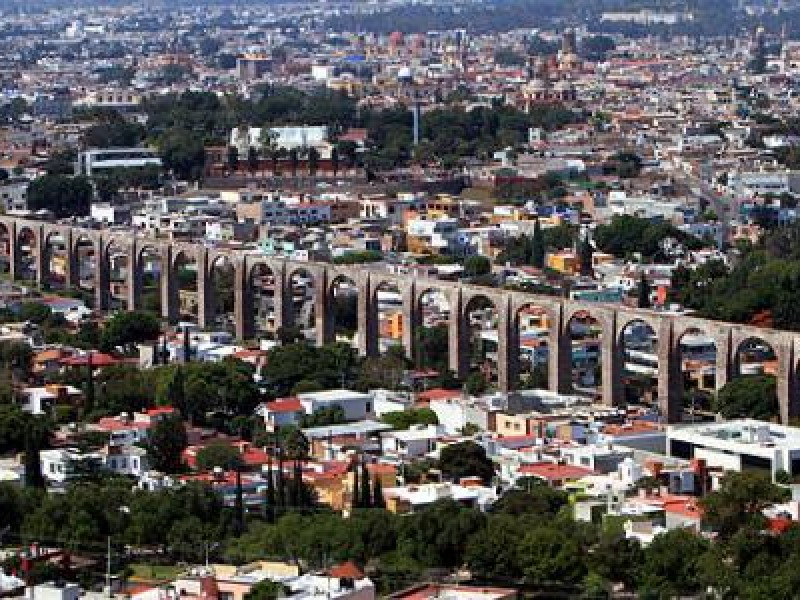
x=108 y=566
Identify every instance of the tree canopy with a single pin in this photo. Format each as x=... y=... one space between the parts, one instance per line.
x=751 y=396
x=63 y=195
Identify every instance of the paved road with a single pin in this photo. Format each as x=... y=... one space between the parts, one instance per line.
x=719 y=204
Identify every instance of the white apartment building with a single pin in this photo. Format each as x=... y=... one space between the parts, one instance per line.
x=738 y=445
x=14 y=195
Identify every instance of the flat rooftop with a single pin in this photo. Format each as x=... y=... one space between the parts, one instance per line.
x=743 y=432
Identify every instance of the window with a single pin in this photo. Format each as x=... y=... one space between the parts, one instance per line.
x=756 y=463
x=681 y=449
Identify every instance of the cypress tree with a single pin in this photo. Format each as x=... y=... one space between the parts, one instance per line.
x=187 y=346
x=269 y=494
x=280 y=501
x=33 y=465
x=300 y=499
x=239 y=503
x=643 y=297
x=585 y=256
x=537 y=246
x=164 y=351
x=366 y=492
x=355 y=501
x=88 y=403
x=377 y=494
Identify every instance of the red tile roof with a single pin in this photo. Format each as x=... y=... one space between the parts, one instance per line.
x=99 y=359
x=283 y=405
x=346 y=570
x=438 y=394
x=554 y=471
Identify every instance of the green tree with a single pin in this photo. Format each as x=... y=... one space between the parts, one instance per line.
x=62 y=195
x=218 y=454
x=36 y=436
x=466 y=459
x=166 y=442
x=437 y=536
x=313 y=161
x=643 y=292
x=127 y=328
x=267 y=590
x=378 y=501
x=476 y=265
x=183 y=153
x=365 y=492
x=673 y=565
x=295 y=444
x=538 y=249
x=739 y=502
x=414 y=416
x=750 y=396
x=252 y=160
x=476 y=384
x=585 y=253
x=550 y=554
x=534 y=498
x=16 y=358
x=335 y=160
x=233 y=158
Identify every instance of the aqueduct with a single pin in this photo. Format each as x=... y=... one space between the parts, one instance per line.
x=27 y=253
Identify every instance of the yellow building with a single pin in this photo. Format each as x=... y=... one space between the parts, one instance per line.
x=392 y=326
x=564 y=262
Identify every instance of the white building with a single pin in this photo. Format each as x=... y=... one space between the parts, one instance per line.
x=755 y=183
x=454 y=413
x=738 y=445
x=438 y=234
x=289 y=137
x=356 y=405
x=91 y=161
x=413 y=498
x=14 y=195
x=415 y=442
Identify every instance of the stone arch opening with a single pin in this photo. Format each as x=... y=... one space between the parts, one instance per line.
x=697 y=356
x=432 y=335
x=262 y=286
x=56 y=261
x=221 y=282
x=533 y=324
x=151 y=271
x=638 y=346
x=752 y=391
x=118 y=266
x=586 y=343
x=481 y=326
x=343 y=312
x=26 y=254
x=388 y=303
x=5 y=248
x=86 y=266
x=304 y=297
x=184 y=273
x=755 y=356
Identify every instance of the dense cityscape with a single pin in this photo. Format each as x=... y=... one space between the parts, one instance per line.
x=463 y=300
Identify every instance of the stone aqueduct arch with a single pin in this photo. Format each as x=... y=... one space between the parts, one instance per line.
x=612 y=319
